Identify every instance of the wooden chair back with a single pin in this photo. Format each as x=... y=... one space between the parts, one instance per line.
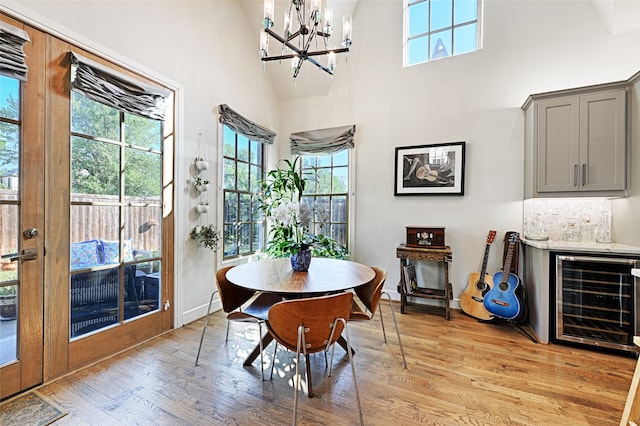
x=369 y=294
x=231 y=296
x=316 y=314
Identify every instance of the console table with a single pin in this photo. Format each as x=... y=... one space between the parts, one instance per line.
x=440 y=255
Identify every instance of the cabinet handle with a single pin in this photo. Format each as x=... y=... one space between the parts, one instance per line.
x=575 y=175
x=584 y=174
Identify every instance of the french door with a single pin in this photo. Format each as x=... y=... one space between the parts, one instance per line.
x=22 y=222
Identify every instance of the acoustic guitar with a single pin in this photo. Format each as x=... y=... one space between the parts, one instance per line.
x=503 y=299
x=472 y=299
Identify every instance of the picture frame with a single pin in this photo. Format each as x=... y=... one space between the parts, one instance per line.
x=436 y=169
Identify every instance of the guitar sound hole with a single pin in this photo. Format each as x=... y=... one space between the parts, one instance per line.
x=481 y=285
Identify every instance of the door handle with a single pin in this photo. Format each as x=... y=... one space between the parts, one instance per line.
x=27 y=254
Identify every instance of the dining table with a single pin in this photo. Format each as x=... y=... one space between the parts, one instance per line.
x=324 y=276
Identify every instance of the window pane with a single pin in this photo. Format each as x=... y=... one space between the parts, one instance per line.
x=10 y=99
x=245 y=207
x=230 y=241
x=464 y=11
x=339 y=209
x=258 y=236
x=255 y=178
x=142 y=174
x=440 y=45
x=322 y=209
x=441 y=14
x=418 y=19
x=311 y=180
x=9 y=160
x=245 y=238
x=324 y=181
x=230 y=207
x=339 y=233
x=89 y=226
x=257 y=214
x=341 y=158
x=94 y=300
x=229 y=174
x=9 y=243
x=243 y=177
x=324 y=160
x=95 y=167
x=229 y=138
x=243 y=148
x=418 y=50
x=340 y=179
x=143 y=226
x=256 y=150
x=93 y=118
x=8 y=318
x=308 y=161
x=149 y=292
x=465 y=39
x=143 y=131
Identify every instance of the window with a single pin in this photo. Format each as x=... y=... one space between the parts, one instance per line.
x=243 y=223
x=116 y=215
x=327 y=193
x=440 y=28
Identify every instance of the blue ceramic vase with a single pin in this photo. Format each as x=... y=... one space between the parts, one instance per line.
x=301 y=260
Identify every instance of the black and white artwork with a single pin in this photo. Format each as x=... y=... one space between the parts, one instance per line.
x=430 y=169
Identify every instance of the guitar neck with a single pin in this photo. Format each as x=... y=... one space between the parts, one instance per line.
x=507 y=263
x=483 y=271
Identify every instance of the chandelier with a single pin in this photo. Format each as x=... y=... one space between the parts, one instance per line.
x=310 y=41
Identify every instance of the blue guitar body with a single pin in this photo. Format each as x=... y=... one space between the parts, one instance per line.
x=502 y=300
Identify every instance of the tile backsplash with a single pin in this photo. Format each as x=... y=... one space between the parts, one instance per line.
x=568 y=219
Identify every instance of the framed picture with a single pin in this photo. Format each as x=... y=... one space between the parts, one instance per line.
x=430 y=169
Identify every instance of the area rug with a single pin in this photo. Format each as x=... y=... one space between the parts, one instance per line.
x=31 y=409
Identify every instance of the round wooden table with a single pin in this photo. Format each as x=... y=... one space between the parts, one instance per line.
x=276 y=276
x=324 y=276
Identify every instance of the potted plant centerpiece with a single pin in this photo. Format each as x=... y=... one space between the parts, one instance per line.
x=291 y=220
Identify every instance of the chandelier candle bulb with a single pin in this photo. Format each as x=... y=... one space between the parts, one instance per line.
x=331 y=60
x=269 y=6
x=328 y=18
x=264 y=44
x=346 y=31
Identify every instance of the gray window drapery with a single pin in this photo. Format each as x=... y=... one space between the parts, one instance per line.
x=112 y=88
x=322 y=141
x=12 y=40
x=245 y=127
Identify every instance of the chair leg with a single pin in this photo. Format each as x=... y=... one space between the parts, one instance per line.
x=384 y=333
x=273 y=360
x=353 y=368
x=395 y=322
x=261 y=350
x=299 y=348
x=204 y=328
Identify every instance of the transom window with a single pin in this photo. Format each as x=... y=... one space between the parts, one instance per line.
x=243 y=223
x=437 y=29
x=327 y=193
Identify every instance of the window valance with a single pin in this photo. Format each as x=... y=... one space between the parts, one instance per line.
x=12 y=40
x=322 y=141
x=245 y=127
x=112 y=88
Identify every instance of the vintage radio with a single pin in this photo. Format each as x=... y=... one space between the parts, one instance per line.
x=425 y=237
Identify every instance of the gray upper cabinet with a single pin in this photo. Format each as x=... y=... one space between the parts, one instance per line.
x=576 y=142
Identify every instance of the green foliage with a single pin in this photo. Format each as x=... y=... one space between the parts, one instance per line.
x=207 y=236
x=289 y=232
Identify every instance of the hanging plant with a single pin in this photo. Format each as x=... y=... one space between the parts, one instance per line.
x=207 y=236
x=201 y=163
x=200 y=183
x=202 y=207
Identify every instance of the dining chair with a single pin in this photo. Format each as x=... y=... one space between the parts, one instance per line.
x=233 y=298
x=309 y=326
x=370 y=294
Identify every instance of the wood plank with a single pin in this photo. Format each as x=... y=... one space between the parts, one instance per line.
x=459 y=372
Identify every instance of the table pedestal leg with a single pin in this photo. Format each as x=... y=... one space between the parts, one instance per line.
x=256 y=352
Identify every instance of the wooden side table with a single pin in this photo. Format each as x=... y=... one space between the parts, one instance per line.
x=444 y=256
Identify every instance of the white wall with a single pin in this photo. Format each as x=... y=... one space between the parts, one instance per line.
x=530 y=46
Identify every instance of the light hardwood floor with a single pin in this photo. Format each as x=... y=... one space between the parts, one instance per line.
x=459 y=372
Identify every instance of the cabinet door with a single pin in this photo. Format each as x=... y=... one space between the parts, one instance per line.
x=602 y=141
x=558 y=149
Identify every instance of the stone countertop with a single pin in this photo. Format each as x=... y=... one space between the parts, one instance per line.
x=592 y=247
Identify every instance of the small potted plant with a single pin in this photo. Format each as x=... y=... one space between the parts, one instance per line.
x=200 y=183
x=207 y=236
x=202 y=207
x=201 y=163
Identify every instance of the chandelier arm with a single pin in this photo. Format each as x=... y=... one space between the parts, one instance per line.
x=283 y=41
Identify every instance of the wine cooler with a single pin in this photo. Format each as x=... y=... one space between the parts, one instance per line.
x=597 y=301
